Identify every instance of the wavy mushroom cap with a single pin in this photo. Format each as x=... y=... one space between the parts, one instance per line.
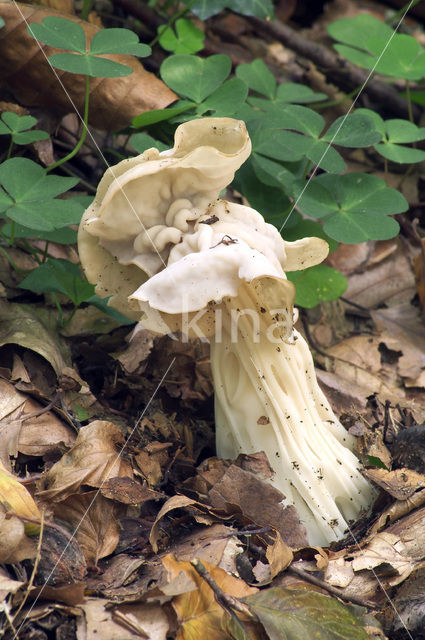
x=158 y=240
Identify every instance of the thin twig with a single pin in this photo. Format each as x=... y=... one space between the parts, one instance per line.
x=305 y=575
x=226 y=600
x=340 y=72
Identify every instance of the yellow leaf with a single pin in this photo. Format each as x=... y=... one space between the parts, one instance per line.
x=199 y=614
x=16 y=498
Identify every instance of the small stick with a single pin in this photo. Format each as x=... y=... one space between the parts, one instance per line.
x=305 y=575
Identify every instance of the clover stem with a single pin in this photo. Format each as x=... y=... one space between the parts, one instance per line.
x=80 y=142
x=409 y=102
x=9 y=151
x=386 y=171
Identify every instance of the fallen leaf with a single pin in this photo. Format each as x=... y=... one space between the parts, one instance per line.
x=15 y=546
x=8 y=585
x=97 y=622
x=17 y=499
x=128 y=491
x=258 y=501
x=198 y=612
x=114 y=102
x=385 y=554
x=93 y=518
x=407 y=614
x=339 y=572
x=20 y=325
x=61 y=560
x=94 y=458
x=403 y=329
x=148 y=620
x=400 y=484
x=176 y=502
x=279 y=555
x=390 y=281
x=293 y=614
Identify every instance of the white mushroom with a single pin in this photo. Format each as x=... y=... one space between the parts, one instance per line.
x=213 y=269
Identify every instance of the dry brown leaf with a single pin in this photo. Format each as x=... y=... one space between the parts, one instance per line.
x=386 y=554
x=148 y=620
x=400 y=484
x=93 y=518
x=38 y=435
x=15 y=546
x=339 y=572
x=176 y=502
x=390 y=281
x=403 y=329
x=94 y=458
x=279 y=555
x=198 y=612
x=128 y=491
x=259 y=502
x=7 y=585
x=19 y=324
x=114 y=102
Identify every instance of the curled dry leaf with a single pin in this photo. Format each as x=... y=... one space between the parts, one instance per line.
x=20 y=325
x=176 y=502
x=94 y=458
x=279 y=555
x=114 y=102
x=93 y=518
x=42 y=434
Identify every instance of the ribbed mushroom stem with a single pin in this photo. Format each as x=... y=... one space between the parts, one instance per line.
x=268 y=399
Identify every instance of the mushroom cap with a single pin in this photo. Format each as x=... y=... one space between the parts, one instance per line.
x=160 y=242
x=145 y=204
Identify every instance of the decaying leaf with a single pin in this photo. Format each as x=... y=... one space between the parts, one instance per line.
x=198 y=612
x=61 y=561
x=20 y=325
x=114 y=102
x=94 y=458
x=93 y=518
x=400 y=484
x=293 y=614
x=386 y=554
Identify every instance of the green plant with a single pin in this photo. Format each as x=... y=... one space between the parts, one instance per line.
x=185 y=38
x=289 y=142
x=28 y=193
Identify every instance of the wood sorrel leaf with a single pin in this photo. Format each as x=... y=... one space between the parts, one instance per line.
x=354 y=207
x=193 y=77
